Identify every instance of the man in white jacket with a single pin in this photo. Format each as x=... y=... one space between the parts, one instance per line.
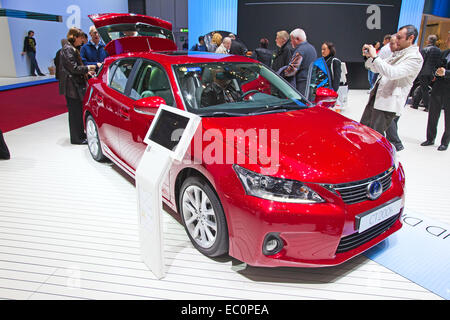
x=396 y=76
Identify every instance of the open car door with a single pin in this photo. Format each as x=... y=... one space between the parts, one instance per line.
x=318 y=87
x=125 y=32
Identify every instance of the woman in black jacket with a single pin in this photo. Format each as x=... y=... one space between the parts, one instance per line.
x=334 y=64
x=263 y=54
x=282 y=55
x=72 y=83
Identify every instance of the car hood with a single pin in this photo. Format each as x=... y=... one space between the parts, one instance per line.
x=315 y=145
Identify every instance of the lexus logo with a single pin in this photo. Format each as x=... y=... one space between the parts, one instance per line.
x=374 y=190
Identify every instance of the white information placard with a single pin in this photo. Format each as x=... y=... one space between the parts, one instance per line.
x=168 y=138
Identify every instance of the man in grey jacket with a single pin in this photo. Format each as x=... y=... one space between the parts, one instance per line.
x=396 y=76
x=296 y=72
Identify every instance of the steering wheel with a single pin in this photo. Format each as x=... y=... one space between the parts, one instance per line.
x=249 y=93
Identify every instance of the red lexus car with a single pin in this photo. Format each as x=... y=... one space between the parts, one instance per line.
x=333 y=189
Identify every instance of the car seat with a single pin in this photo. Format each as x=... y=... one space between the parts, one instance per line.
x=159 y=86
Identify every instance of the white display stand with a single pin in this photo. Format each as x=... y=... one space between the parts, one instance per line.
x=168 y=138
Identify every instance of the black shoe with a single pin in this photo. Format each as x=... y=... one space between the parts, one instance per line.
x=443 y=147
x=414 y=107
x=399 y=147
x=427 y=143
x=426 y=109
x=79 y=142
x=33 y=75
x=41 y=74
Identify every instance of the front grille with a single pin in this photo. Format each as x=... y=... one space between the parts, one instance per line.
x=355 y=240
x=355 y=192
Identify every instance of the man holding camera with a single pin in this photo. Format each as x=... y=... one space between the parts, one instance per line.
x=396 y=76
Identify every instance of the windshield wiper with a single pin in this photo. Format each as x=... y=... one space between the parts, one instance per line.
x=278 y=108
x=222 y=114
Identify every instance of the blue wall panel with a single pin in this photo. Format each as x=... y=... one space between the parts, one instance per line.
x=411 y=13
x=440 y=8
x=205 y=16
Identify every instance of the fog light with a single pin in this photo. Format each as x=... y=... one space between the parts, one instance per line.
x=272 y=244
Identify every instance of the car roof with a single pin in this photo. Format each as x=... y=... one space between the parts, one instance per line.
x=183 y=57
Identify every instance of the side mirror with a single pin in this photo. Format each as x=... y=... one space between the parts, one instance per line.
x=149 y=105
x=325 y=97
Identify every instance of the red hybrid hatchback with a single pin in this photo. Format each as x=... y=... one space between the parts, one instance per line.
x=274 y=180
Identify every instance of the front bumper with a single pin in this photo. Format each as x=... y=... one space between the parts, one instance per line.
x=314 y=235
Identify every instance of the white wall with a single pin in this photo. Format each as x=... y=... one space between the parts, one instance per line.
x=48 y=34
x=7 y=66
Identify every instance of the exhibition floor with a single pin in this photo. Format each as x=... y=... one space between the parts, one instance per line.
x=68 y=229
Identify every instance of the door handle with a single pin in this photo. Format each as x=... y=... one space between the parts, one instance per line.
x=124 y=113
x=146 y=112
x=98 y=99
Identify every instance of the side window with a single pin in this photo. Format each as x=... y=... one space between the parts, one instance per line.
x=152 y=81
x=122 y=72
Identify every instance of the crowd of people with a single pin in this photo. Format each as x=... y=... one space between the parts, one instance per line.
x=403 y=71
x=76 y=61
x=291 y=59
x=397 y=69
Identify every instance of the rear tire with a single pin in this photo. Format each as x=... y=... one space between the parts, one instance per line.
x=203 y=217
x=93 y=140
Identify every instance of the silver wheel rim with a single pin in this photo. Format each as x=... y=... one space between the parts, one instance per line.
x=92 y=138
x=199 y=216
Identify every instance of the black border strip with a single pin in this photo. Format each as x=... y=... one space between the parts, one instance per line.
x=29 y=15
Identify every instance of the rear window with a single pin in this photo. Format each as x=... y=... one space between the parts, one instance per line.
x=113 y=32
x=120 y=74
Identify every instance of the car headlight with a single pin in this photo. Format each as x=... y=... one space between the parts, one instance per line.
x=395 y=156
x=275 y=189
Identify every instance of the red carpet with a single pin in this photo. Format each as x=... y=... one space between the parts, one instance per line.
x=24 y=106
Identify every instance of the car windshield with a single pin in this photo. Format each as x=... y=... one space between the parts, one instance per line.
x=117 y=31
x=234 y=89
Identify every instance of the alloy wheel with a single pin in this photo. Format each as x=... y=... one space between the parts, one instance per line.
x=92 y=138
x=199 y=216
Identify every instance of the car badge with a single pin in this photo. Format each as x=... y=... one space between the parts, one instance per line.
x=374 y=190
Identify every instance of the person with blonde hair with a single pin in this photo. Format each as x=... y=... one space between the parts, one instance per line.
x=72 y=83
x=216 y=41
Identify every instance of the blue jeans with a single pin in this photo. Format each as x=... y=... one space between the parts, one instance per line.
x=372 y=77
x=33 y=63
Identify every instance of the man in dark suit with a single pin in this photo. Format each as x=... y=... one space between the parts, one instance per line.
x=431 y=55
x=440 y=99
x=4 y=152
x=237 y=47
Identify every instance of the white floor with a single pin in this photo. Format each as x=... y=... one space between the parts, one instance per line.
x=68 y=230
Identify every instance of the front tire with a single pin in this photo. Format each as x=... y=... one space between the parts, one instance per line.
x=93 y=140
x=203 y=217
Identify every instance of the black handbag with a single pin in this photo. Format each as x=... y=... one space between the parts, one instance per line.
x=4 y=152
